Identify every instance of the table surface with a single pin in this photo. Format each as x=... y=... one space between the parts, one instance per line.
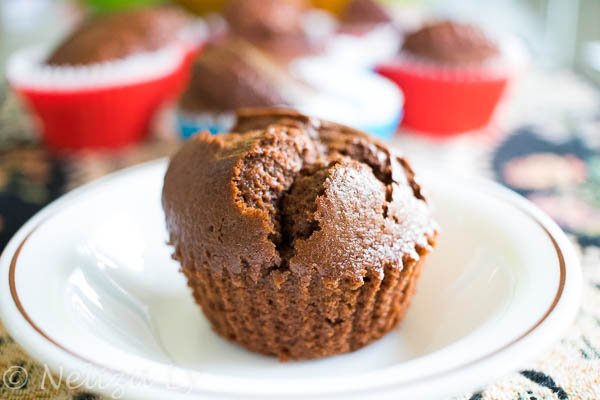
x=544 y=143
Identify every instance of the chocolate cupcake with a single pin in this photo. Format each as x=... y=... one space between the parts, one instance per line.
x=451 y=43
x=234 y=74
x=365 y=12
x=114 y=36
x=225 y=78
x=453 y=76
x=276 y=26
x=299 y=238
x=102 y=86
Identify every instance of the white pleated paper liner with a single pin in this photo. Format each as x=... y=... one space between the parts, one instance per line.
x=27 y=68
x=364 y=51
x=358 y=98
x=512 y=59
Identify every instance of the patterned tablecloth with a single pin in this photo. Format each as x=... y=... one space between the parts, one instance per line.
x=544 y=144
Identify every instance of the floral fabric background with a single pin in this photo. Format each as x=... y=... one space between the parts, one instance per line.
x=546 y=147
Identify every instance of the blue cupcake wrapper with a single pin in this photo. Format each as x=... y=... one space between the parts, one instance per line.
x=191 y=124
x=384 y=131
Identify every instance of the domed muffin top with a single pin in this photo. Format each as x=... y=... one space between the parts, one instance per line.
x=451 y=43
x=365 y=12
x=274 y=25
x=288 y=194
x=233 y=74
x=118 y=35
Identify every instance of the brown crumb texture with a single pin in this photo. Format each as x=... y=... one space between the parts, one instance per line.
x=300 y=204
x=268 y=170
x=299 y=238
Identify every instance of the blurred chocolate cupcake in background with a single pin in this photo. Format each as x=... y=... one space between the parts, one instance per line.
x=280 y=53
x=453 y=76
x=101 y=87
x=365 y=12
x=285 y=28
x=113 y=36
x=450 y=43
x=233 y=74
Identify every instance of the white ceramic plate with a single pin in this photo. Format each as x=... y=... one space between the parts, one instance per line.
x=88 y=285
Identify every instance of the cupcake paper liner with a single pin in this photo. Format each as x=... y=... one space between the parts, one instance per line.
x=280 y=315
x=353 y=97
x=443 y=107
x=366 y=49
x=213 y=122
x=105 y=105
x=443 y=100
x=385 y=130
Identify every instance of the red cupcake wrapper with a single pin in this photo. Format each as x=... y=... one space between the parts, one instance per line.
x=443 y=100
x=101 y=112
x=440 y=102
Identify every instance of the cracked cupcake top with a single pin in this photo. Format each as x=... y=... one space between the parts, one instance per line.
x=285 y=193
